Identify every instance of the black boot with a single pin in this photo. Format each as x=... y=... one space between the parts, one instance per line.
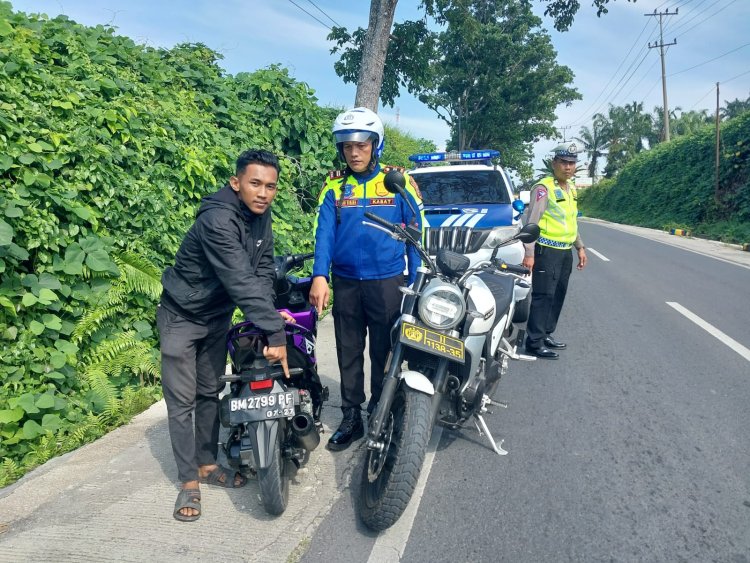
x=351 y=429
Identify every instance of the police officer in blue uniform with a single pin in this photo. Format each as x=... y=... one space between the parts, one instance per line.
x=366 y=264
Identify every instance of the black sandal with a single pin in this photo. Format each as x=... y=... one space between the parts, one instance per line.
x=188 y=498
x=223 y=477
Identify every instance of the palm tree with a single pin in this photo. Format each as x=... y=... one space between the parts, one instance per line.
x=690 y=121
x=734 y=108
x=594 y=143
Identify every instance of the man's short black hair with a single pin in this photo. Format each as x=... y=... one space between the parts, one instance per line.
x=256 y=156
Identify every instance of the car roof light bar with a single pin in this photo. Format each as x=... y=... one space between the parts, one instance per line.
x=454 y=156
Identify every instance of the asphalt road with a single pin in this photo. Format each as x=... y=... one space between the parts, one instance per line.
x=633 y=446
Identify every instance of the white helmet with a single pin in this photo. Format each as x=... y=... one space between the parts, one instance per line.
x=359 y=124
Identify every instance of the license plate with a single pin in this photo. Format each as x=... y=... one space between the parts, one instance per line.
x=432 y=341
x=271 y=405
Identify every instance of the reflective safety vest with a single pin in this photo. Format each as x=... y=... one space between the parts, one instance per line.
x=558 y=223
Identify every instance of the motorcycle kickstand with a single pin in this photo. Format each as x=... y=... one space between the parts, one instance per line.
x=484 y=431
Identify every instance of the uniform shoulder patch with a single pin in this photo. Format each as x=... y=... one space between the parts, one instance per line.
x=414 y=185
x=333 y=174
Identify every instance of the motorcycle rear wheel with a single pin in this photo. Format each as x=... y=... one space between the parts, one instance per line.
x=389 y=477
x=274 y=480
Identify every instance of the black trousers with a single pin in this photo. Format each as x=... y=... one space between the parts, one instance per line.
x=193 y=357
x=552 y=267
x=359 y=308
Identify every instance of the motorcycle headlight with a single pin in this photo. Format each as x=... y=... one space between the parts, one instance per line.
x=441 y=305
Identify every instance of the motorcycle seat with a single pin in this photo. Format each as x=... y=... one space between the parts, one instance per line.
x=501 y=288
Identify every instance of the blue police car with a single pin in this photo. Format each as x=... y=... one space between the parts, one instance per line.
x=467 y=196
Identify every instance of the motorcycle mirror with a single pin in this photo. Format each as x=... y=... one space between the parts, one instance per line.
x=528 y=233
x=395 y=183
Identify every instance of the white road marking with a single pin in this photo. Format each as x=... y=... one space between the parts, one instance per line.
x=390 y=545
x=595 y=253
x=712 y=330
x=655 y=237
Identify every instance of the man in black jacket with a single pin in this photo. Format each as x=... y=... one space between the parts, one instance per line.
x=225 y=260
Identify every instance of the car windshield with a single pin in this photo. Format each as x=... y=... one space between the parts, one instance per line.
x=462 y=186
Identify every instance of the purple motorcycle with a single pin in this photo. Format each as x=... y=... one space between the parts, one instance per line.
x=274 y=422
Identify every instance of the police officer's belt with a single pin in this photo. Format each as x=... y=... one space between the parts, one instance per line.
x=553 y=243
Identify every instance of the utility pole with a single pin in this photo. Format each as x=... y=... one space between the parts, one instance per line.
x=563 y=129
x=718 y=139
x=661 y=46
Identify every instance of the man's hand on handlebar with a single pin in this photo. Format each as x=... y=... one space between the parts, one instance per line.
x=277 y=354
x=287 y=317
x=528 y=262
x=319 y=293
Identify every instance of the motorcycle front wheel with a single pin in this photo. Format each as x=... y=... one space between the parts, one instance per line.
x=274 y=479
x=390 y=476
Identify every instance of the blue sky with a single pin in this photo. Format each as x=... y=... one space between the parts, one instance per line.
x=608 y=55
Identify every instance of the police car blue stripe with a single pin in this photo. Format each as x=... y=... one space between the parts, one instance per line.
x=450 y=220
x=474 y=220
x=464 y=219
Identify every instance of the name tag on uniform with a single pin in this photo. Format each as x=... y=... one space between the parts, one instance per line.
x=559 y=195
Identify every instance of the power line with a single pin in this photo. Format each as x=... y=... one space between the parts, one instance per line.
x=625 y=77
x=645 y=75
x=586 y=111
x=743 y=74
x=324 y=13
x=709 y=60
x=706 y=19
x=702 y=98
x=312 y=16
x=691 y=17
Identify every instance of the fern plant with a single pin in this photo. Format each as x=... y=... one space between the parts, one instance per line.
x=118 y=356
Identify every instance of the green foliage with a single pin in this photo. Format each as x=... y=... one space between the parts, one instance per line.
x=490 y=73
x=106 y=149
x=563 y=11
x=399 y=145
x=674 y=185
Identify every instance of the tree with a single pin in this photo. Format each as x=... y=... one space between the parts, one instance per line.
x=374 y=52
x=628 y=131
x=563 y=11
x=734 y=108
x=367 y=60
x=594 y=143
x=491 y=74
x=689 y=122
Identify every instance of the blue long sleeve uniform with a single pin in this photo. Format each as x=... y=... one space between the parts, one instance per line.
x=346 y=247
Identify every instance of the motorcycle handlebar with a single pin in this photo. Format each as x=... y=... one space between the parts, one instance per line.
x=515 y=269
x=379 y=220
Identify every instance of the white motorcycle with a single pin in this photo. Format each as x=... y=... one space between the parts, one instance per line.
x=458 y=329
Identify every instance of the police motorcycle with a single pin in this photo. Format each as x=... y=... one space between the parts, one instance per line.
x=451 y=346
x=274 y=422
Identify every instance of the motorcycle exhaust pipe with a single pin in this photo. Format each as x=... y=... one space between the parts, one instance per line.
x=305 y=434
